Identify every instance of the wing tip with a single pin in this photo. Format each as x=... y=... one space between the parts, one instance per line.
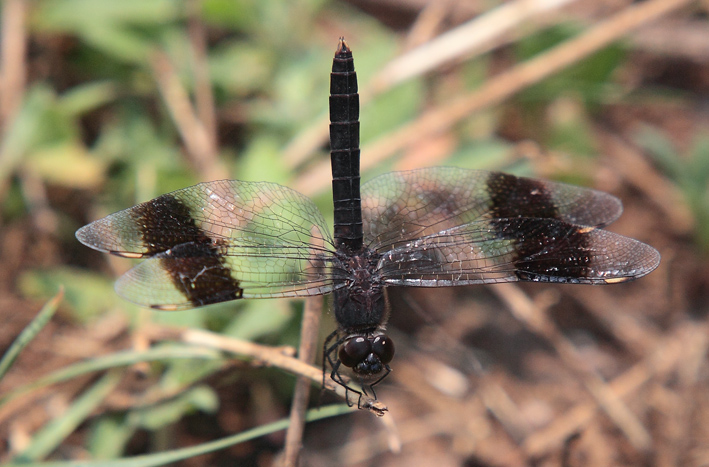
x=85 y=236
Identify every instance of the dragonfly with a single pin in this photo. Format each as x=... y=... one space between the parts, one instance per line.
x=432 y=227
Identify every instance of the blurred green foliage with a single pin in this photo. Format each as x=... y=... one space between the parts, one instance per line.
x=96 y=124
x=591 y=79
x=558 y=109
x=688 y=170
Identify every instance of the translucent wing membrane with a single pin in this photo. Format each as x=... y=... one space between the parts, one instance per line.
x=218 y=241
x=224 y=209
x=447 y=226
x=401 y=206
x=227 y=240
x=178 y=280
x=528 y=249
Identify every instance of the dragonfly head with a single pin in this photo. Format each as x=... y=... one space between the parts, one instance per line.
x=367 y=355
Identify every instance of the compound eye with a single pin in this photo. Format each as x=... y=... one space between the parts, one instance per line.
x=383 y=347
x=354 y=350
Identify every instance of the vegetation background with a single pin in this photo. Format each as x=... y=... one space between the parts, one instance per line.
x=104 y=104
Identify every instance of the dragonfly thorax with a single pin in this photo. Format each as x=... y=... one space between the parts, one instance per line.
x=361 y=310
x=361 y=305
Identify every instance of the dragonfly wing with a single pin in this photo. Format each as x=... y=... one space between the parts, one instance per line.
x=191 y=275
x=402 y=206
x=218 y=241
x=518 y=249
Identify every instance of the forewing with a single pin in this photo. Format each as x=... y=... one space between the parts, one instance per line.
x=218 y=241
x=401 y=206
x=526 y=249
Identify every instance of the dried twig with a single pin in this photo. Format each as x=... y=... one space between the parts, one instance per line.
x=688 y=39
x=475 y=37
x=14 y=50
x=13 y=73
x=269 y=356
x=306 y=354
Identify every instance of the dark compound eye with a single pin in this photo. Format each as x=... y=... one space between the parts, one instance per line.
x=383 y=347
x=354 y=351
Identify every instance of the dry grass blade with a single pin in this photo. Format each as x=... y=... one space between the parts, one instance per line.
x=667 y=356
x=475 y=37
x=500 y=87
x=537 y=320
x=198 y=142
x=14 y=49
x=634 y=168
x=204 y=99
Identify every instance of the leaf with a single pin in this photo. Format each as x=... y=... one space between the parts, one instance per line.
x=259 y=318
x=24 y=131
x=230 y=13
x=67 y=164
x=87 y=293
x=240 y=68
x=661 y=149
x=165 y=353
x=261 y=161
x=87 y=97
x=200 y=398
x=76 y=15
x=108 y=436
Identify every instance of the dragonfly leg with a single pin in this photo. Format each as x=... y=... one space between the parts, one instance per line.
x=329 y=356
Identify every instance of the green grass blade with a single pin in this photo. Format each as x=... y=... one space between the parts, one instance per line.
x=115 y=360
x=29 y=333
x=53 y=433
x=175 y=455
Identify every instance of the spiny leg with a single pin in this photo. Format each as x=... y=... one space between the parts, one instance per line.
x=335 y=364
x=371 y=386
x=326 y=354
